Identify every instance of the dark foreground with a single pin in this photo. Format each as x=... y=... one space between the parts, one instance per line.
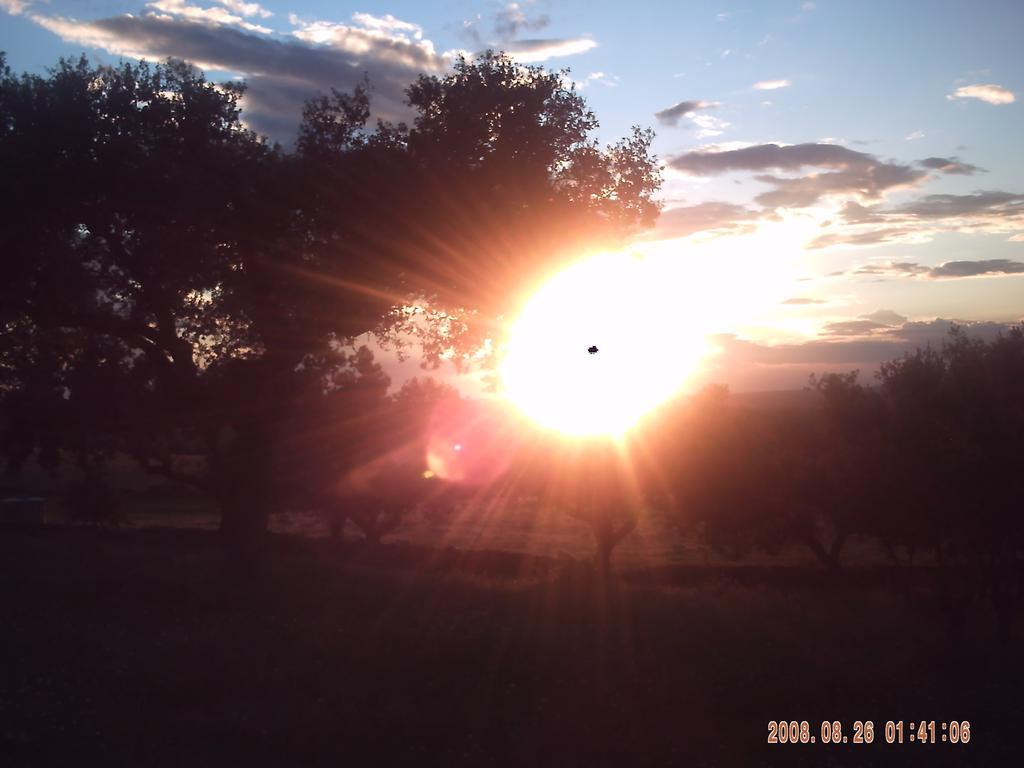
x=141 y=648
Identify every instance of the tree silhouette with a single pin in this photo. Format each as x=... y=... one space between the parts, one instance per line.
x=383 y=445
x=851 y=467
x=224 y=280
x=127 y=252
x=600 y=493
x=957 y=415
x=754 y=479
x=496 y=177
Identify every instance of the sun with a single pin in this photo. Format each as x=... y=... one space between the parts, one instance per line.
x=598 y=345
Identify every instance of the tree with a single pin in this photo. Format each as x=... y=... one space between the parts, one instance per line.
x=126 y=247
x=957 y=419
x=753 y=479
x=598 y=491
x=379 y=472
x=153 y=227
x=851 y=490
x=496 y=181
x=226 y=279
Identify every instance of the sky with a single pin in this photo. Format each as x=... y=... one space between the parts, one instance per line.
x=842 y=179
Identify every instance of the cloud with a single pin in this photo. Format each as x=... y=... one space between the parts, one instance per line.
x=860 y=238
x=800 y=301
x=855 y=213
x=948 y=270
x=215 y=15
x=748 y=365
x=532 y=51
x=992 y=203
x=899 y=268
x=15 y=7
x=977 y=268
x=852 y=328
x=989 y=93
x=707 y=125
x=511 y=20
x=851 y=172
x=246 y=9
x=802 y=175
x=866 y=325
x=686 y=220
x=281 y=73
x=885 y=317
x=950 y=165
x=986 y=211
x=603 y=78
x=914 y=136
x=388 y=25
x=374 y=40
x=671 y=115
x=771 y=85
x=763 y=157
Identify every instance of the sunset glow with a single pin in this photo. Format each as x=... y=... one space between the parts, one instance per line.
x=644 y=353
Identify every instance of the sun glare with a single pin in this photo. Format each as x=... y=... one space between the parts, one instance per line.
x=597 y=346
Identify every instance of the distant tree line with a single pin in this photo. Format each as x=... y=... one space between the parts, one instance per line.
x=927 y=463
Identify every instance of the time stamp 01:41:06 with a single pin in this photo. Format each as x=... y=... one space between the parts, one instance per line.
x=896 y=732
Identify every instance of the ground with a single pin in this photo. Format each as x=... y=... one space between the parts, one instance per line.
x=144 y=647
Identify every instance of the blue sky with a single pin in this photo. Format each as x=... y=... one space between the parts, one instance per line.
x=842 y=178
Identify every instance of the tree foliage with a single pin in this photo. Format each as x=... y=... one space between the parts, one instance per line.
x=171 y=283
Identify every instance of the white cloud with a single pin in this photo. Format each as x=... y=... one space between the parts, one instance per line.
x=15 y=7
x=388 y=25
x=281 y=74
x=771 y=85
x=246 y=9
x=989 y=93
x=603 y=78
x=914 y=136
x=214 y=15
x=708 y=125
x=382 y=37
x=512 y=19
x=532 y=51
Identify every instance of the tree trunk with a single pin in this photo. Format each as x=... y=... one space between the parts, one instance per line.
x=245 y=489
x=607 y=535
x=829 y=558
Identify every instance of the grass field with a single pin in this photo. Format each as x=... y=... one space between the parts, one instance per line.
x=520 y=527
x=140 y=647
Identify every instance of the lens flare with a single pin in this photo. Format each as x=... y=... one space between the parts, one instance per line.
x=469 y=442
